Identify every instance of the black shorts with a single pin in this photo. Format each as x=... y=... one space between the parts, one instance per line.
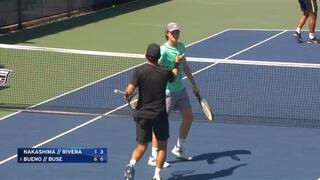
x=144 y=128
x=308 y=5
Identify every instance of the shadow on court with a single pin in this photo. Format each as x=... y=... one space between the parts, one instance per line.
x=205 y=176
x=25 y=35
x=210 y=157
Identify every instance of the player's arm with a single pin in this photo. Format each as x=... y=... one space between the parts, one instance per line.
x=188 y=73
x=175 y=69
x=130 y=88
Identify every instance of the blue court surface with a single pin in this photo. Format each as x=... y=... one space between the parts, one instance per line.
x=264 y=88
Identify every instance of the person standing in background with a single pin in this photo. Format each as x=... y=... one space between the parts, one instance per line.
x=309 y=9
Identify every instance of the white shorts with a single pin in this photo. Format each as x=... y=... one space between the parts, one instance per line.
x=177 y=100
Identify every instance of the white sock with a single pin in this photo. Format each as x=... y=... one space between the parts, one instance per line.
x=298 y=30
x=157 y=172
x=311 y=35
x=180 y=142
x=154 y=152
x=133 y=162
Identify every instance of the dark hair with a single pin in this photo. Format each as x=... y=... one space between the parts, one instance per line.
x=165 y=34
x=152 y=59
x=153 y=52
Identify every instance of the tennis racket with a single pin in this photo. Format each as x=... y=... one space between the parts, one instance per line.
x=205 y=107
x=132 y=99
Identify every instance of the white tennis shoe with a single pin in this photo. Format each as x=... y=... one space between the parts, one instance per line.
x=181 y=153
x=152 y=162
x=157 y=178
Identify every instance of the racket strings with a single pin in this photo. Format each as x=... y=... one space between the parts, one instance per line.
x=133 y=101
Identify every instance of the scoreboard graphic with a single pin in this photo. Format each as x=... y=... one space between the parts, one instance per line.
x=62 y=155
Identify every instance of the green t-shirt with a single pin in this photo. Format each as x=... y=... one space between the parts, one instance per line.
x=168 y=58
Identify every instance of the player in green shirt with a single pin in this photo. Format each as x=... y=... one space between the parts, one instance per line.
x=177 y=97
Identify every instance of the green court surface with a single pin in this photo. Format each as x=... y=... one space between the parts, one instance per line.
x=129 y=28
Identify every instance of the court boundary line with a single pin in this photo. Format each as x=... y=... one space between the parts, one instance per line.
x=255 y=62
x=257 y=44
x=239 y=52
x=66 y=132
x=259 y=29
x=89 y=121
x=203 y=39
x=71 y=51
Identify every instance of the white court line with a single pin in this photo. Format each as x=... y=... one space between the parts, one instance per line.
x=255 y=62
x=246 y=49
x=207 y=38
x=70 y=51
x=256 y=44
x=83 y=124
x=244 y=29
x=66 y=132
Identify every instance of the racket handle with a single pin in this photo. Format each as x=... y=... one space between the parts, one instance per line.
x=197 y=94
x=118 y=91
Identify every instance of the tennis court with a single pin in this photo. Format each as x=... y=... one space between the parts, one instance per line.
x=263 y=86
x=264 y=91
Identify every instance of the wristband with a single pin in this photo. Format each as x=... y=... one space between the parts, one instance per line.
x=176 y=65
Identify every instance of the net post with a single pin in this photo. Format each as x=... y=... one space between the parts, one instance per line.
x=19 y=14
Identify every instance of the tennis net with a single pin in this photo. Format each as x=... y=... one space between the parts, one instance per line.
x=79 y=82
